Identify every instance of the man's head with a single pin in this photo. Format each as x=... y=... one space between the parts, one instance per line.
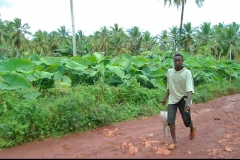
x=178 y=61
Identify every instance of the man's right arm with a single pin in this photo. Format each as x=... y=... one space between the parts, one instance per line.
x=165 y=97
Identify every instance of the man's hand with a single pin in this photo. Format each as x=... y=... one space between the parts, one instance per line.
x=165 y=97
x=187 y=107
x=163 y=102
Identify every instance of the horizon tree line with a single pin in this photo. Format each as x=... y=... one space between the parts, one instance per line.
x=221 y=40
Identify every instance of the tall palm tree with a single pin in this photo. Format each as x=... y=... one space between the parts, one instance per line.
x=135 y=39
x=4 y=46
x=188 y=37
x=182 y=3
x=52 y=39
x=173 y=37
x=205 y=34
x=116 y=29
x=18 y=34
x=101 y=40
x=205 y=41
x=2 y=33
x=73 y=30
x=117 y=44
x=164 y=40
x=218 y=50
x=39 y=43
x=83 y=43
x=147 y=41
x=230 y=40
x=63 y=36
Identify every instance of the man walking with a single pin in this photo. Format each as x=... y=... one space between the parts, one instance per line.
x=180 y=88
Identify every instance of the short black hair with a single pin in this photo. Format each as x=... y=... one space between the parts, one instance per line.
x=178 y=54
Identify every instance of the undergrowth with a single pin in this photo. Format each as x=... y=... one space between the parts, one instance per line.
x=59 y=112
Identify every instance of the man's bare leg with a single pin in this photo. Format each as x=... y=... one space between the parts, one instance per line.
x=192 y=131
x=173 y=134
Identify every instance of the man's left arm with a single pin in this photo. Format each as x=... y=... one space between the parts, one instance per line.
x=188 y=103
x=190 y=90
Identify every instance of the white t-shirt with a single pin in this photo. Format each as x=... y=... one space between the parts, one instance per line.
x=179 y=83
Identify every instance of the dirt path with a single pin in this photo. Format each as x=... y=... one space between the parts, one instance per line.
x=215 y=138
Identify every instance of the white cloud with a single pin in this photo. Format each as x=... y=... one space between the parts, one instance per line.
x=4 y=3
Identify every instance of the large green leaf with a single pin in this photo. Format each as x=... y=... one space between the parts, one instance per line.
x=43 y=74
x=127 y=56
x=31 y=94
x=99 y=57
x=122 y=62
x=13 y=81
x=116 y=70
x=145 y=78
x=157 y=82
x=28 y=76
x=157 y=73
x=53 y=64
x=196 y=72
x=20 y=65
x=81 y=60
x=74 y=65
x=61 y=80
x=167 y=61
x=152 y=67
x=139 y=61
x=51 y=60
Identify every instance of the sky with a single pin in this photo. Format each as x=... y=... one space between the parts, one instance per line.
x=92 y=15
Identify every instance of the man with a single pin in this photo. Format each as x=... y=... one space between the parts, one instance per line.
x=180 y=88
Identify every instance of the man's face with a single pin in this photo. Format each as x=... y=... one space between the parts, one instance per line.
x=178 y=61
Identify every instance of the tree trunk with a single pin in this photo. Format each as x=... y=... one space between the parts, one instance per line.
x=230 y=78
x=73 y=30
x=181 y=23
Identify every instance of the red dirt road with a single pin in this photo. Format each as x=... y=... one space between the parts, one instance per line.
x=217 y=136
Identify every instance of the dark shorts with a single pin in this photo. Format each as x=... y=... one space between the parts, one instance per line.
x=172 y=111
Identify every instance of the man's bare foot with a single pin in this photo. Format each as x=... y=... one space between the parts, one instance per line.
x=172 y=146
x=192 y=134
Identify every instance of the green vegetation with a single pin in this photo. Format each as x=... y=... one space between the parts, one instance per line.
x=43 y=97
x=116 y=75
x=220 y=41
x=60 y=112
x=41 y=73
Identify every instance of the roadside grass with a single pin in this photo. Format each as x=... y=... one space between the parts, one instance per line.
x=59 y=112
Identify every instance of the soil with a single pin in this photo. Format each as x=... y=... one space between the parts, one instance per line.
x=217 y=136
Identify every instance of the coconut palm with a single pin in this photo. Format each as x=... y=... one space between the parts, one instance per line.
x=218 y=50
x=229 y=39
x=205 y=34
x=164 y=40
x=205 y=40
x=173 y=40
x=116 y=28
x=7 y=29
x=118 y=44
x=147 y=41
x=63 y=36
x=53 y=39
x=73 y=29
x=18 y=34
x=101 y=40
x=187 y=38
x=2 y=33
x=83 y=43
x=135 y=39
x=39 y=43
x=182 y=3
x=4 y=46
